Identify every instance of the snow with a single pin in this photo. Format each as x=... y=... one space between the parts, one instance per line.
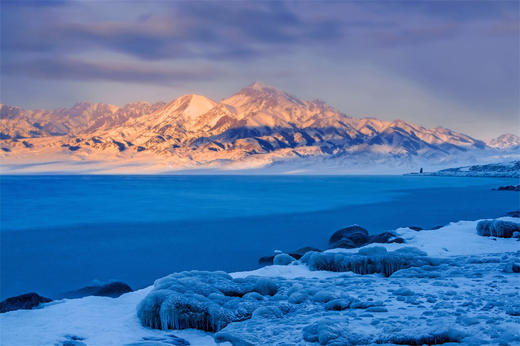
x=464 y=291
x=505 y=141
x=503 y=169
x=96 y=320
x=456 y=239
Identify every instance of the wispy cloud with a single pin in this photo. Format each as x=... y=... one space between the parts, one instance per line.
x=73 y=69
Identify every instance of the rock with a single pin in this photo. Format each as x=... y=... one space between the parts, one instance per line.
x=266 y=260
x=415 y=228
x=296 y=254
x=23 y=302
x=283 y=259
x=512 y=267
x=386 y=237
x=497 y=228
x=356 y=236
x=515 y=213
x=509 y=188
x=302 y=251
x=113 y=290
x=349 y=237
x=338 y=304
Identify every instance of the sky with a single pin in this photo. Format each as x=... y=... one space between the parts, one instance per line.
x=435 y=63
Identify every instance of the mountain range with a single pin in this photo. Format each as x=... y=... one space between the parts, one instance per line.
x=259 y=126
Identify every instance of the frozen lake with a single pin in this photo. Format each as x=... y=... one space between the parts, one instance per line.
x=60 y=233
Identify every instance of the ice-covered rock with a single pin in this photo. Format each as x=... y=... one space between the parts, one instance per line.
x=283 y=259
x=322 y=332
x=497 y=228
x=368 y=260
x=512 y=267
x=202 y=300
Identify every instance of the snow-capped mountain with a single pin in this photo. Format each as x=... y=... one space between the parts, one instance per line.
x=257 y=126
x=505 y=141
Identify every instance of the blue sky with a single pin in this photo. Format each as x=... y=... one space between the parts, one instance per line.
x=435 y=63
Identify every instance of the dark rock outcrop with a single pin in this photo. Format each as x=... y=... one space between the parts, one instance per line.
x=356 y=236
x=25 y=301
x=296 y=254
x=515 y=213
x=302 y=251
x=113 y=290
x=349 y=237
x=385 y=237
x=509 y=188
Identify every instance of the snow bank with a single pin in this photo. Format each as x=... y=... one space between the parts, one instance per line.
x=91 y=320
x=456 y=239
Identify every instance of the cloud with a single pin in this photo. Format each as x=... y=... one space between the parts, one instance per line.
x=73 y=69
x=188 y=30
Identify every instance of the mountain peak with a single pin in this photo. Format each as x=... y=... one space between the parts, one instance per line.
x=191 y=105
x=505 y=141
x=259 y=86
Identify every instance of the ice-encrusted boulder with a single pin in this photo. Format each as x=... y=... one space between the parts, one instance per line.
x=283 y=259
x=369 y=260
x=355 y=236
x=497 y=228
x=203 y=300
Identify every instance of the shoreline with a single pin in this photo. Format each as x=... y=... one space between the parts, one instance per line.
x=430 y=297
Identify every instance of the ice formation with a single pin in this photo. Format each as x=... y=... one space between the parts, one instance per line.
x=369 y=260
x=203 y=300
x=497 y=228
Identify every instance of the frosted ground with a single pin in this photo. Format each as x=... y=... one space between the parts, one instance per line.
x=464 y=291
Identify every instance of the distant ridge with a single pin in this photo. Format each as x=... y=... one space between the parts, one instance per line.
x=256 y=127
x=499 y=170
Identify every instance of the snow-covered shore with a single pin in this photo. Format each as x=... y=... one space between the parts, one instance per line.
x=467 y=293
